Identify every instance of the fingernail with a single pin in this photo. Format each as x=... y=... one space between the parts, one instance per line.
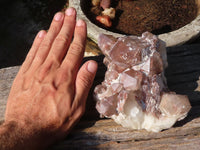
x=70 y=11
x=41 y=34
x=58 y=16
x=92 y=67
x=80 y=23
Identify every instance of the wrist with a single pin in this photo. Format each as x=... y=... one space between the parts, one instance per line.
x=16 y=136
x=9 y=134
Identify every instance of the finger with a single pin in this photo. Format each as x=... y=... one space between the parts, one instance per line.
x=31 y=54
x=63 y=40
x=76 y=50
x=48 y=40
x=83 y=84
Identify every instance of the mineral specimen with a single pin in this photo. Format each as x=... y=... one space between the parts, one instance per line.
x=134 y=92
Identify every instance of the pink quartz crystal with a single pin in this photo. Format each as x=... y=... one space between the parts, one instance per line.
x=134 y=92
x=105 y=3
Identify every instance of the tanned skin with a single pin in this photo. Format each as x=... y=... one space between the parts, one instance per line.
x=49 y=93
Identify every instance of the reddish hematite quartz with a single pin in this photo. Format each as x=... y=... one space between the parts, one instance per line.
x=134 y=92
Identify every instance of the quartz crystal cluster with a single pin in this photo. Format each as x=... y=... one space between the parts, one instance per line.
x=134 y=92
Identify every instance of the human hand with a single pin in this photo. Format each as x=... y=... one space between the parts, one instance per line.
x=49 y=93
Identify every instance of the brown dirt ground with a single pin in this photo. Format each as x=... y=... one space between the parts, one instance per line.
x=157 y=16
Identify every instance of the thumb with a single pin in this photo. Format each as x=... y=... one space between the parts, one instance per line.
x=84 y=81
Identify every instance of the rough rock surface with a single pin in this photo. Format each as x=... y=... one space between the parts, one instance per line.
x=134 y=92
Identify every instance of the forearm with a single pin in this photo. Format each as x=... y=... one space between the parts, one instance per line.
x=14 y=137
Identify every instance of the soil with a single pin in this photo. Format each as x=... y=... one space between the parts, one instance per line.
x=156 y=16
